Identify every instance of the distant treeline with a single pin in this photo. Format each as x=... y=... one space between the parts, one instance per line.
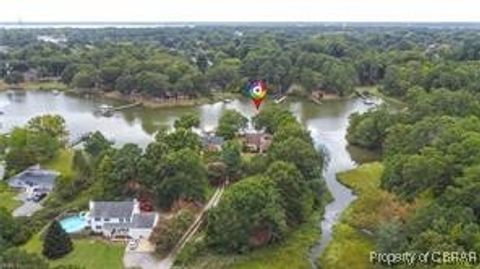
x=194 y=61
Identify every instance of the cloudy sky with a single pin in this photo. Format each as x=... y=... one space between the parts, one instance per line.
x=239 y=10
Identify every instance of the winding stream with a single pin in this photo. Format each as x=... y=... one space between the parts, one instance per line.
x=330 y=135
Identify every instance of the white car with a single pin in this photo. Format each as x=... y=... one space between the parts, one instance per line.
x=132 y=244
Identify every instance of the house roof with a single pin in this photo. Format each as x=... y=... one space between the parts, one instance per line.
x=119 y=225
x=144 y=220
x=212 y=139
x=34 y=176
x=256 y=138
x=112 y=209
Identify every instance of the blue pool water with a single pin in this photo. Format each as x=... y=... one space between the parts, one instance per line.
x=73 y=224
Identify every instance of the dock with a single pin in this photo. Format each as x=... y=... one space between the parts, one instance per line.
x=118 y=108
x=315 y=100
x=79 y=139
x=280 y=100
x=108 y=111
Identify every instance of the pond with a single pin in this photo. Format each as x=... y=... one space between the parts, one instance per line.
x=327 y=123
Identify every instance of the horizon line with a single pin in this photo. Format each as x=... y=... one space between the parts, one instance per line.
x=236 y=22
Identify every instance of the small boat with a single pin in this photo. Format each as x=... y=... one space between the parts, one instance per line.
x=55 y=92
x=368 y=102
x=105 y=110
x=227 y=101
x=105 y=107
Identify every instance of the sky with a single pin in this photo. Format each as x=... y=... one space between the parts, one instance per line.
x=239 y=10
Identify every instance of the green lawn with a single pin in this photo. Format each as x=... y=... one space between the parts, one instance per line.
x=94 y=254
x=89 y=253
x=350 y=247
x=292 y=253
x=34 y=245
x=7 y=198
x=62 y=163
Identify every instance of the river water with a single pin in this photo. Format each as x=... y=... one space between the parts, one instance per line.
x=327 y=123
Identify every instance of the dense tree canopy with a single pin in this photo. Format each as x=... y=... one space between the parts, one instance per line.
x=250 y=211
x=187 y=121
x=430 y=149
x=37 y=142
x=230 y=123
x=171 y=62
x=57 y=242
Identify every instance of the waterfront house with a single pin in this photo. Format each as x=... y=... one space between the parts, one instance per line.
x=257 y=142
x=121 y=220
x=34 y=180
x=212 y=142
x=31 y=75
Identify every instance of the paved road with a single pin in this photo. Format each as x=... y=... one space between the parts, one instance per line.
x=27 y=208
x=144 y=260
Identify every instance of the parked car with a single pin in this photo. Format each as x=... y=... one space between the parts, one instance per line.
x=132 y=244
x=38 y=197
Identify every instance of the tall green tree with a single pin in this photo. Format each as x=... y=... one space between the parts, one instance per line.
x=231 y=156
x=249 y=215
x=57 y=242
x=230 y=123
x=52 y=125
x=187 y=121
x=96 y=144
x=296 y=197
x=184 y=176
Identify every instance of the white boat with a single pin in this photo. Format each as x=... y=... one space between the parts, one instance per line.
x=105 y=110
x=368 y=102
x=105 y=107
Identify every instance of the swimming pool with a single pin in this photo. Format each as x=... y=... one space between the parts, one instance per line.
x=74 y=223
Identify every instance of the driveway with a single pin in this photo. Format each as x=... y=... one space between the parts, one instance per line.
x=144 y=260
x=27 y=208
x=142 y=257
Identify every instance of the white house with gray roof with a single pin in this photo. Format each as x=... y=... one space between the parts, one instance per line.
x=34 y=180
x=121 y=219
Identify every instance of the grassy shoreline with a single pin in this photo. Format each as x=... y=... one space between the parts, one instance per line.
x=150 y=102
x=39 y=85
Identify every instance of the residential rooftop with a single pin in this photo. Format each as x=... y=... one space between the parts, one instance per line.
x=102 y=209
x=34 y=176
